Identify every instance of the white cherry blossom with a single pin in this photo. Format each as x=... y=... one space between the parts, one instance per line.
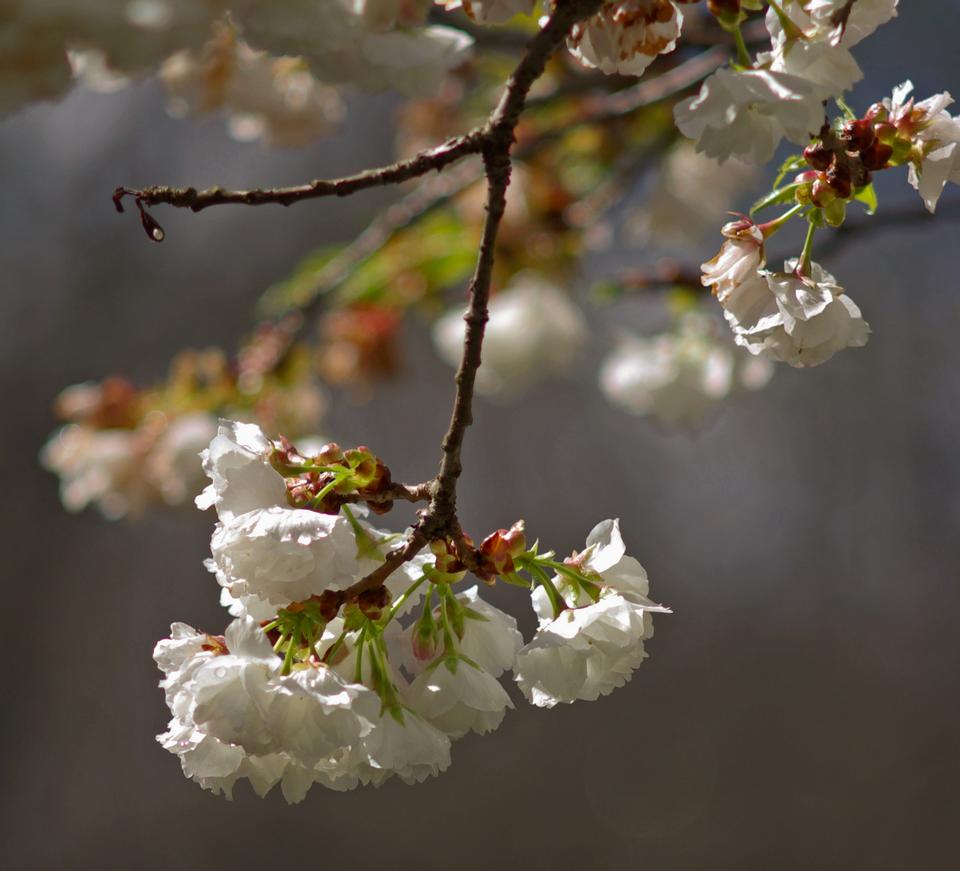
x=936 y=136
x=457 y=697
x=238 y=465
x=625 y=36
x=814 y=319
x=285 y=555
x=865 y=17
x=592 y=646
x=745 y=113
x=402 y=744
x=586 y=651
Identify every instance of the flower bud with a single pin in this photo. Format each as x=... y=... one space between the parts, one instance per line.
x=499 y=549
x=424 y=637
x=835 y=213
x=886 y=133
x=860 y=134
x=838 y=177
x=818 y=156
x=822 y=193
x=877 y=156
x=727 y=12
x=877 y=112
x=372 y=602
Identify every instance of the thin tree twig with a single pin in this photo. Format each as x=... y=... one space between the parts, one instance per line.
x=431 y=160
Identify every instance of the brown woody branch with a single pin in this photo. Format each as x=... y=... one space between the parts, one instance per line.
x=431 y=160
x=439 y=519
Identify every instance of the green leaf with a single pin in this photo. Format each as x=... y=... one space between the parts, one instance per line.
x=776 y=197
x=791 y=164
x=868 y=196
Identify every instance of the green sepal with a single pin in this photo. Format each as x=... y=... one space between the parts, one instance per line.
x=868 y=196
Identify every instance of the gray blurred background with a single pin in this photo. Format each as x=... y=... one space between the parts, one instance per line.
x=801 y=708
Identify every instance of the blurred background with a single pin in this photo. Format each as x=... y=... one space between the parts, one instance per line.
x=800 y=709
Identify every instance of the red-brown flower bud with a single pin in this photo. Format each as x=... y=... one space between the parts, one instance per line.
x=860 y=134
x=818 y=156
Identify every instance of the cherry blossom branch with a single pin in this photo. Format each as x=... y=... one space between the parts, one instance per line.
x=432 y=160
x=499 y=141
x=440 y=518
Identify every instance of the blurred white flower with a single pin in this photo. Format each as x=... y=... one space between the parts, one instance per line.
x=691 y=194
x=490 y=11
x=534 y=330
x=173 y=462
x=864 y=17
x=98 y=467
x=274 y=98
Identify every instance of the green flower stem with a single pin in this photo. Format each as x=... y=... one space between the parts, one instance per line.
x=291 y=647
x=448 y=642
x=770 y=227
x=273 y=624
x=403 y=598
x=335 y=647
x=743 y=55
x=786 y=22
x=806 y=257
x=279 y=643
x=542 y=578
x=366 y=546
x=358 y=670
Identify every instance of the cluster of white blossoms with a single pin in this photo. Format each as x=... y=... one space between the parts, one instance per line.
x=122 y=471
x=371 y=44
x=800 y=316
x=265 y=97
x=747 y=110
x=680 y=378
x=312 y=684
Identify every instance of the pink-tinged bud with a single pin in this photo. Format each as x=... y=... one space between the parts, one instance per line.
x=424 y=637
x=877 y=112
x=822 y=193
x=744 y=228
x=860 y=134
x=329 y=454
x=499 y=549
x=818 y=156
x=424 y=646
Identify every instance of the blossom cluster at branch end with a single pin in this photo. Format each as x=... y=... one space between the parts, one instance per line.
x=320 y=679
